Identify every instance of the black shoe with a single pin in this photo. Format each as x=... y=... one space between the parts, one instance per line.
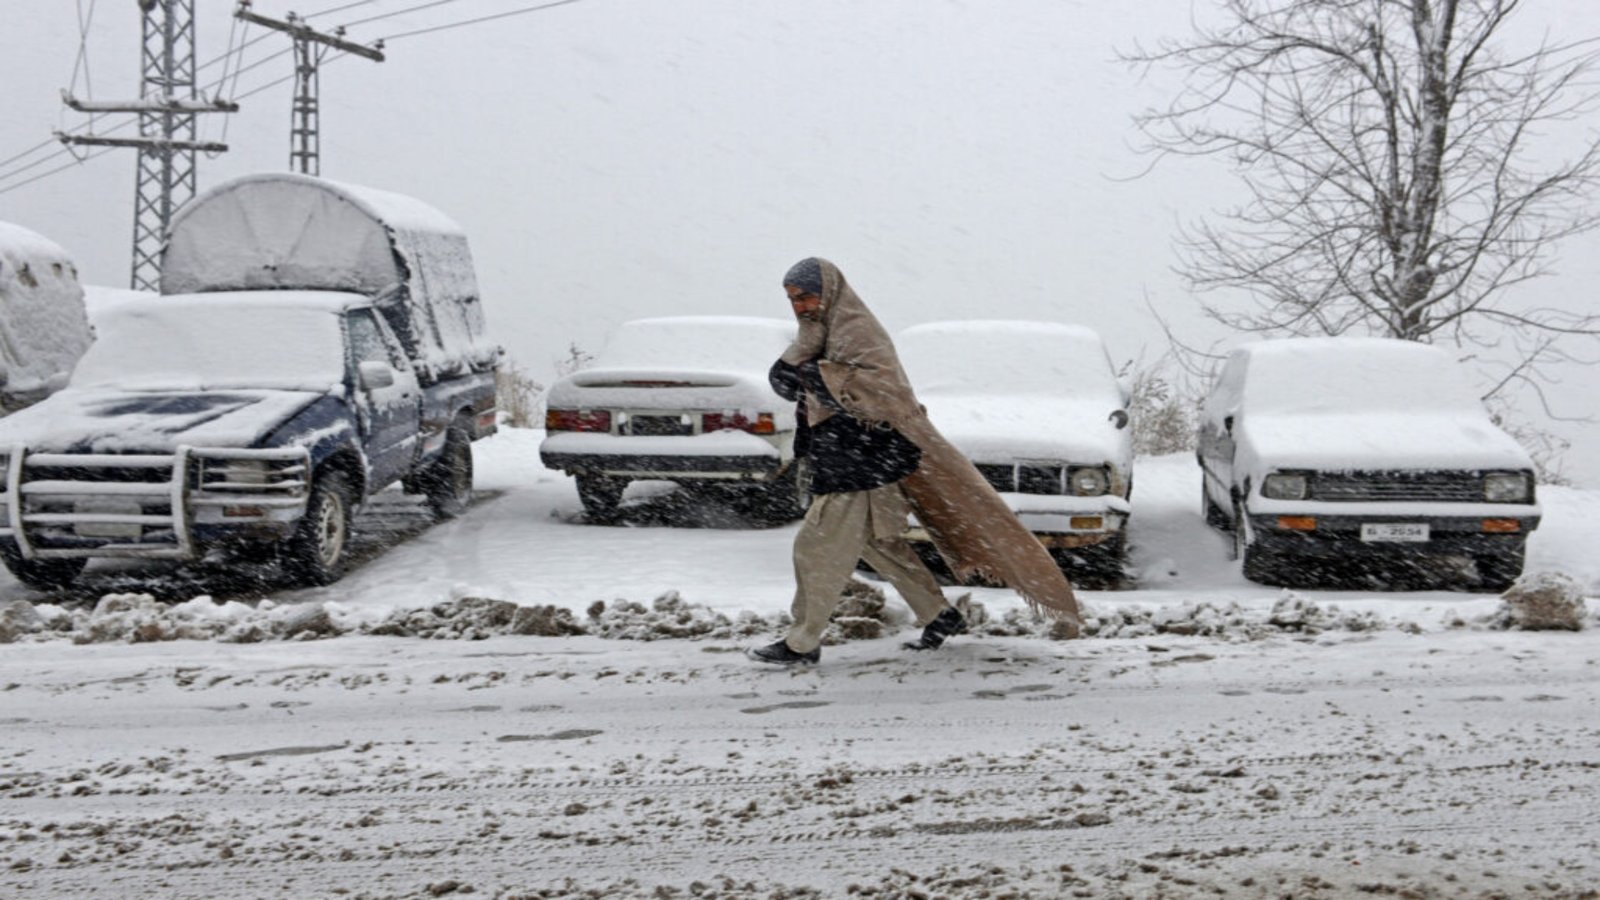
x=779 y=654
x=946 y=624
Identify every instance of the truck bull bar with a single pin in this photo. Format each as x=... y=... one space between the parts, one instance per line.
x=185 y=481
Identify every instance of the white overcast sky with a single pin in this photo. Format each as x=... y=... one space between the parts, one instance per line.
x=612 y=159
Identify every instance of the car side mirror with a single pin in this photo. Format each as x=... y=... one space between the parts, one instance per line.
x=1227 y=424
x=1120 y=417
x=376 y=374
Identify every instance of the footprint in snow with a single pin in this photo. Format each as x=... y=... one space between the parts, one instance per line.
x=792 y=704
x=571 y=734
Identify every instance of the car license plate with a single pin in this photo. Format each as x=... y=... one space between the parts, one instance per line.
x=1414 y=532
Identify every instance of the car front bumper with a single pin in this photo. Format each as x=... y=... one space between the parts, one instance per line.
x=1339 y=537
x=1058 y=521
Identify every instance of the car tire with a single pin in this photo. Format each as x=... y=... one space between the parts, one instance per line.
x=1497 y=572
x=601 y=495
x=789 y=496
x=1261 y=566
x=41 y=574
x=319 y=551
x=1101 y=567
x=447 y=482
x=1215 y=517
x=1238 y=529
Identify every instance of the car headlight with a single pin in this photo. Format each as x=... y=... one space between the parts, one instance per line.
x=1505 y=487
x=1088 y=482
x=1281 y=486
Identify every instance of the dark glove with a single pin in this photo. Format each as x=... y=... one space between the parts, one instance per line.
x=811 y=376
x=785 y=380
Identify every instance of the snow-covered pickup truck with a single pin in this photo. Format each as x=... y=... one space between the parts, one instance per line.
x=312 y=344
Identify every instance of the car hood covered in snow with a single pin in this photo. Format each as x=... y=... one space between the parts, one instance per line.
x=109 y=421
x=989 y=428
x=1379 y=441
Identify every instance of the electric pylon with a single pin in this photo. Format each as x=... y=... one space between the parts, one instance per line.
x=167 y=105
x=305 y=140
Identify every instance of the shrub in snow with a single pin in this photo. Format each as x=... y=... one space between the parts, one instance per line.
x=1542 y=601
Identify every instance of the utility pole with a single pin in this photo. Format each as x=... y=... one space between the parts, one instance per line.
x=167 y=108
x=305 y=141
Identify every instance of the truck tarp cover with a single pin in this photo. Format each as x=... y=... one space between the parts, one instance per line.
x=285 y=231
x=43 y=326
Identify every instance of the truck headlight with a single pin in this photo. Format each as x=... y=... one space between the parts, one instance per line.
x=1282 y=486
x=1505 y=487
x=1088 y=482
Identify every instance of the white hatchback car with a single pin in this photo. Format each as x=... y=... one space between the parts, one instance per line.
x=1327 y=456
x=1038 y=408
x=682 y=399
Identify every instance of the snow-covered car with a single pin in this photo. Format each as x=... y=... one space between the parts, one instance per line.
x=312 y=344
x=1039 y=410
x=43 y=325
x=1320 y=454
x=682 y=399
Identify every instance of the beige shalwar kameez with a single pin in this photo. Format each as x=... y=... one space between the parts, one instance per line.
x=973 y=528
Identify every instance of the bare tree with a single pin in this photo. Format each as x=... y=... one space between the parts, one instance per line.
x=1391 y=153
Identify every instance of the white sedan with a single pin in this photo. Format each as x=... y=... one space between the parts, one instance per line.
x=682 y=399
x=1038 y=409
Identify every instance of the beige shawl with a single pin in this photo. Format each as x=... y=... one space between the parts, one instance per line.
x=975 y=531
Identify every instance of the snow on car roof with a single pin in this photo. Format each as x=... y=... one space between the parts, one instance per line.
x=1011 y=356
x=737 y=343
x=1332 y=374
x=283 y=231
x=43 y=326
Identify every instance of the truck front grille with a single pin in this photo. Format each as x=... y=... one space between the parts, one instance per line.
x=1023 y=479
x=1355 y=487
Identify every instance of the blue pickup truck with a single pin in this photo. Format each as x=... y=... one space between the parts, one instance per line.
x=312 y=344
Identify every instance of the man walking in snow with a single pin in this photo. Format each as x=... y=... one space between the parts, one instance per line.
x=874 y=458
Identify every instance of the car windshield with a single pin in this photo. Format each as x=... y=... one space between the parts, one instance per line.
x=702 y=342
x=1350 y=377
x=1007 y=357
x=168 y=344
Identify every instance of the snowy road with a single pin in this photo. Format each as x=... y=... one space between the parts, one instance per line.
x=1453 y=764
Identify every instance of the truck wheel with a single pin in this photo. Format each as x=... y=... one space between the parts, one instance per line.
x=319 y=550
x=601 y=494
x=448 y=480
x=41 y=574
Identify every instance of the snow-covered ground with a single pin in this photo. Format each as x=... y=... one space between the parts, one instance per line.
x=1213 y=737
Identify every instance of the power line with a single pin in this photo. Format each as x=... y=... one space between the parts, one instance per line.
x=504 y=15
x=239 y=70
x=399 y=12
x=328 y=12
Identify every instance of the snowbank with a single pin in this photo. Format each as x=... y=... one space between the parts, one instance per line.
x=863 y=615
